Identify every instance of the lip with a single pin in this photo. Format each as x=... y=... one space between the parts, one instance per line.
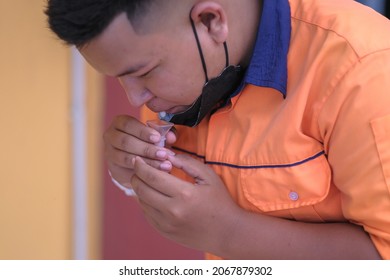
x=177 y=109
x=172 y=110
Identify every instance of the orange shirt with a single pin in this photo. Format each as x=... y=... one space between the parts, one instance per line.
x=321 y=153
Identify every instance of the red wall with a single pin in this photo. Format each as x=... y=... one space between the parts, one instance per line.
x=126 y=233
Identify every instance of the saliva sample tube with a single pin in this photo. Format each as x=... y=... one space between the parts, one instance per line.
x=162 y=127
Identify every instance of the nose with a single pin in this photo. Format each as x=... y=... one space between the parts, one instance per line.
x=136 y=92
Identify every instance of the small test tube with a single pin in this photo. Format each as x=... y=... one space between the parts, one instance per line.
x=162 y=127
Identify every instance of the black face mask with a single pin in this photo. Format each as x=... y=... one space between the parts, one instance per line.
x=215 y=91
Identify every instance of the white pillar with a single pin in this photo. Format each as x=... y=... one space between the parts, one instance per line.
x=79 y=164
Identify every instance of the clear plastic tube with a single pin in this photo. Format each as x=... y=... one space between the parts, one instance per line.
x=162 y=127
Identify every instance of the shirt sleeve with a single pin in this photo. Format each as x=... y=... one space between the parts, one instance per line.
x=355 y=124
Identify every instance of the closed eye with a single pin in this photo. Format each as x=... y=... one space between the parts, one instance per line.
x=146 y=74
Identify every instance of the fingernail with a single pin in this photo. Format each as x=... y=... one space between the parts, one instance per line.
x=161 y=154
x=166 y=166
x=139 y=159
x=171 y=153
x=154 y=138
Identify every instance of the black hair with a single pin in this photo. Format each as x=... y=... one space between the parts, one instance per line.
x=76 y=22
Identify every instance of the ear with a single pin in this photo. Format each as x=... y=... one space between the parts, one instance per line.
x=213 y=17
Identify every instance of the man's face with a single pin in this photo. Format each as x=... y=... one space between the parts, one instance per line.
x=160 y=69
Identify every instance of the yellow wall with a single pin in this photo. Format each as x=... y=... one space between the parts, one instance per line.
x=35 y=139
x=95 y=119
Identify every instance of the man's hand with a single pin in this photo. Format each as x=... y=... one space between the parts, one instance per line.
x=203 y=216
x=127 y=138
x=198 y=215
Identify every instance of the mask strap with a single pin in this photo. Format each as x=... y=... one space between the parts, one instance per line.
x=226 y=53
x=201 y=52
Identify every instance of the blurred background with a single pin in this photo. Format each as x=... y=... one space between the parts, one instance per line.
x=56 y=199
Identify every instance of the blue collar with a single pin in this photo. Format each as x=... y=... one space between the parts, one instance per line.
x=268 y=65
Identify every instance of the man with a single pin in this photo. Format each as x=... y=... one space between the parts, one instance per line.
x=282 y=116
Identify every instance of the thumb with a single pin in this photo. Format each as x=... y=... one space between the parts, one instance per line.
x=171 y=136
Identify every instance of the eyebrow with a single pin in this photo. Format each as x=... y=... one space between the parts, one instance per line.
x=131 y=70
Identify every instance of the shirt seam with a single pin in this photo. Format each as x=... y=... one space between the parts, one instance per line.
x=333 y=88
x=261 y=166
x=330 y=30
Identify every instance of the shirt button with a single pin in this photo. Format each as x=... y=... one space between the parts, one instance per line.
x=293 y=196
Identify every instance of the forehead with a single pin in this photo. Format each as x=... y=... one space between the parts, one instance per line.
x=120 y=47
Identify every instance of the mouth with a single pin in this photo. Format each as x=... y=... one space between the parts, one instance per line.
x=172 y=110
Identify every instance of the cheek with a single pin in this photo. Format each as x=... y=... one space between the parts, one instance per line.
x=176 y=90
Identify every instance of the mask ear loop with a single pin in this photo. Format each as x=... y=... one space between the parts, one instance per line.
x=226 y=53
x=199 y=49
x=201 y=52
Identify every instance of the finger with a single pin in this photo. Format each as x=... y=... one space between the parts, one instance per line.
x=126 y=134
x=120 y=174
x=171 y=136
x=194 y=168
x=157 y=179
x=125 y=159
x=152 y=215
x=148 y=195
x=118 y=157
x=132 y=126
x=130 y=144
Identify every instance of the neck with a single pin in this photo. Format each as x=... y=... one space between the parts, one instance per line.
x=243 y=32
